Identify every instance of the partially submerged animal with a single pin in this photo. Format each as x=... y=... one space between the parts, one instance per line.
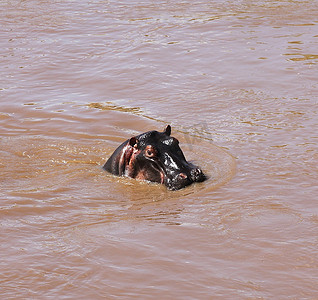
x=154 y=156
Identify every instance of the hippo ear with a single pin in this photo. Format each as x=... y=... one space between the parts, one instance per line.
x=133 y=142
x=167 y=130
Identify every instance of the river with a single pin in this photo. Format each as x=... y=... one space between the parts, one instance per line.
x=237 y=82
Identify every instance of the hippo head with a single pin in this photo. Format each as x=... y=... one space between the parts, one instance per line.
x=154 y=156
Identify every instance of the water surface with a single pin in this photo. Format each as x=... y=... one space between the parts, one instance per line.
x=237 y=81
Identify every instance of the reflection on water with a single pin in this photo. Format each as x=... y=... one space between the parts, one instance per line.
x=111 y=106
x=303 y=57
x=234 y=79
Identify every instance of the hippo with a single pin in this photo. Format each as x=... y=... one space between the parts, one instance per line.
x=154 y=156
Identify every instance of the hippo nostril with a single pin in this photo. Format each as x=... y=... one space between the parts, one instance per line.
x=195 y=172
x=197 y=175
x=182 y=176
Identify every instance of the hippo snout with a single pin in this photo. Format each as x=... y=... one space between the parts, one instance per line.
x=184 y=179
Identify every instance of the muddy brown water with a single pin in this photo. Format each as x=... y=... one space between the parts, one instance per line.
x=237 y=81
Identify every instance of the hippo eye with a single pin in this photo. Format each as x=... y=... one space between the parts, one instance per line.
x=150 y=151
